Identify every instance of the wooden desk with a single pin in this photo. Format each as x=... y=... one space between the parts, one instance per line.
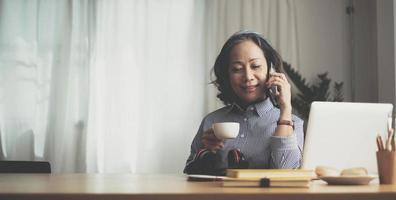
x=128 y=186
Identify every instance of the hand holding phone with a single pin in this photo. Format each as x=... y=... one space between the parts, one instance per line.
x=271 y=91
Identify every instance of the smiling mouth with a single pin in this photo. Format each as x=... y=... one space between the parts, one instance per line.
x=250 y=89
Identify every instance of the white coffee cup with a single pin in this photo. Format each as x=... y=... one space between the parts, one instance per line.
x=226 y=130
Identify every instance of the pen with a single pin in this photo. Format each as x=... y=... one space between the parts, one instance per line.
x=380 y=143
x=392 y=140
x=390 y=121
x=389 y=140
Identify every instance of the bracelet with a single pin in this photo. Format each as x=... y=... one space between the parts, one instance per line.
x=286 y=122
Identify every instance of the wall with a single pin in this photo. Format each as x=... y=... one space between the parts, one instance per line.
x=394 y=37
x=324 y=40
x=386 y=51
x=365 y=51
x=358 y=49
x=374 y=54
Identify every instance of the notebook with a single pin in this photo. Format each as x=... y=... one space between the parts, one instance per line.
x=342 y=135
x=268 y=182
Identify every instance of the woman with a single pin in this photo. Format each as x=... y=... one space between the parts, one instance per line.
x=269 y=136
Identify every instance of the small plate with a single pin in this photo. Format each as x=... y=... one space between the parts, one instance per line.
x=347 y=180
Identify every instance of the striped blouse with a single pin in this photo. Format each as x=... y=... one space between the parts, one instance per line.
x=255 y=138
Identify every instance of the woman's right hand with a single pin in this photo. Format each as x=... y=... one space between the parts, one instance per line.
x=210 y=141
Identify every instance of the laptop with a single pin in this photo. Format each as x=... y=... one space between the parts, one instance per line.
x=343 y=135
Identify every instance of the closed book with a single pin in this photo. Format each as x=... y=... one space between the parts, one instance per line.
x=270 y=173
x=267 y=182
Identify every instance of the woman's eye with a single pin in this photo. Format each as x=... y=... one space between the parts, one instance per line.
x=236 y=69
x=256 y=66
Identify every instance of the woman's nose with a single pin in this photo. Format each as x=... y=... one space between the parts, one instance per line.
x=248 y=75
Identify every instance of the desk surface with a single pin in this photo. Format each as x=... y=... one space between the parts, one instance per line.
x=129 y=186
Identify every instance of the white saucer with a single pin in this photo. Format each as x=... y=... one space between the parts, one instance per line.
x=347 y=180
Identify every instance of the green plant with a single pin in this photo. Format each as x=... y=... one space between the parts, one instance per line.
x=307 y=93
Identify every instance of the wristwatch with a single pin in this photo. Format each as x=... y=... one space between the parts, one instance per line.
x=286 y=122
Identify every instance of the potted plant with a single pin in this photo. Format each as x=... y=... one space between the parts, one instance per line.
x=304 y=93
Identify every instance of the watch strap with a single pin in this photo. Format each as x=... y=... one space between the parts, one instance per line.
x=286 y=122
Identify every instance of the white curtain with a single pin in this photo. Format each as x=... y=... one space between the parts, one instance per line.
x=146 y=85
x=114 y=86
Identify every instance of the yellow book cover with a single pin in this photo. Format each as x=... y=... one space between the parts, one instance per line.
x=270 y=173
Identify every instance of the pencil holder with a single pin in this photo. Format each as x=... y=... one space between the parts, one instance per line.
x=386 y=162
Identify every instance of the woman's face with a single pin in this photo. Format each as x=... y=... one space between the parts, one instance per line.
x=248 y=71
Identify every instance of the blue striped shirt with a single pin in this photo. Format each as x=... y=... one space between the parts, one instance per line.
x=255 y=139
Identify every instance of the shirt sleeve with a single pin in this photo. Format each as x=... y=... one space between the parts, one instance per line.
x=286 y=151
x=196 y=146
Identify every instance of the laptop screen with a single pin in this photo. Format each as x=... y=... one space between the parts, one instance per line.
x=343 y=135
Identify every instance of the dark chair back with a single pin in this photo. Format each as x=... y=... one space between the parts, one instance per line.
x=25 y=167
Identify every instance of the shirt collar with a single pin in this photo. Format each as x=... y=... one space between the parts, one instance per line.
x=235 y=107
x=261 y=107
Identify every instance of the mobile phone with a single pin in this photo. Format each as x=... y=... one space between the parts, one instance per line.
x=271 y=91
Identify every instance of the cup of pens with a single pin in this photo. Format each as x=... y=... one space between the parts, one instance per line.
x=386 y=159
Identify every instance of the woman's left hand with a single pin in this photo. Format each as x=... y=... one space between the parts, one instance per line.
x=283 y=93
x=283 y=96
